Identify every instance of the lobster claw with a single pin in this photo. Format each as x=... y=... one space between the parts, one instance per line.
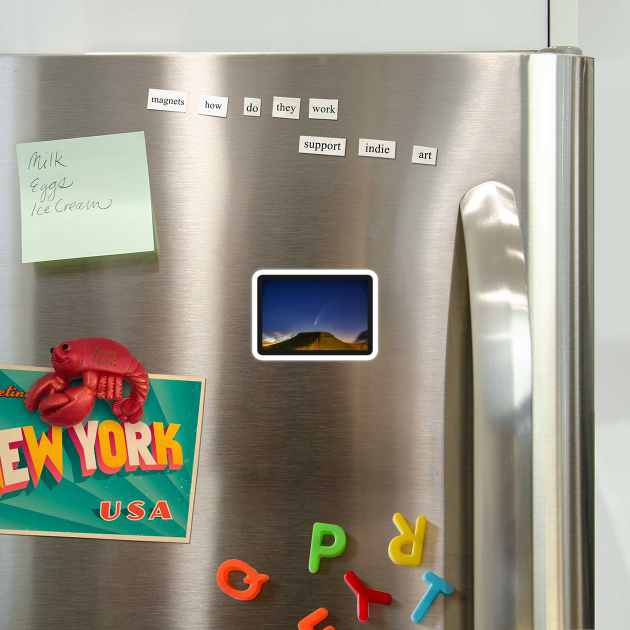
x=43 y=386
x=68 y=408
x=127 y=410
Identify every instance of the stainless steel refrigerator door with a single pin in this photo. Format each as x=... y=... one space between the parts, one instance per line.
x=284 y=444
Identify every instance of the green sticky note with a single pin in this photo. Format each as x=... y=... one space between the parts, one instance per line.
x=85 y=197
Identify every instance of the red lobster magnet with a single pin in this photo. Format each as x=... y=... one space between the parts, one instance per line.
x=103 y=364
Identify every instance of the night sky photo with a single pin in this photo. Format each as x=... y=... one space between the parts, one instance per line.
x=338 y=306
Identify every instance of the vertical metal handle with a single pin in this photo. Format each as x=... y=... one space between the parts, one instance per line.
x=502 y=373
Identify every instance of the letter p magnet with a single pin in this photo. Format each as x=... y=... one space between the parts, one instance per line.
x=319 y=551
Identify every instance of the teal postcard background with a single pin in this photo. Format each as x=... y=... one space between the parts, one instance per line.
x=72 y=505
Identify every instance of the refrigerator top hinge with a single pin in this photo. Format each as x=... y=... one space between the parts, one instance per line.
x=562 y=50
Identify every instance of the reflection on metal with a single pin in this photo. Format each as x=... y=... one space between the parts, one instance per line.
x=502 y=367
x=559 y=253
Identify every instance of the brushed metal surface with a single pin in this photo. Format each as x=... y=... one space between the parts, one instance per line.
x=502 y=368
x=284 y=444
x=560 y=276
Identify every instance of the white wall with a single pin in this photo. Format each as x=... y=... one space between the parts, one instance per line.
x=604 y=29
x=270 y=25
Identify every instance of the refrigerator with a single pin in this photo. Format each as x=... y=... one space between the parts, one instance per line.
x=473 y=403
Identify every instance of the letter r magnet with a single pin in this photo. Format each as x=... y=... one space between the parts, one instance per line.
x=407 y=537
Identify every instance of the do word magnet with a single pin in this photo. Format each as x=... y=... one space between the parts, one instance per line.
x=251 y=106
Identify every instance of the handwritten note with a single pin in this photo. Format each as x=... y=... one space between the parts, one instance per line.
x=85 y=197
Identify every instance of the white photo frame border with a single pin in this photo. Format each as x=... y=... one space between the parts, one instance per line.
x=314 y=272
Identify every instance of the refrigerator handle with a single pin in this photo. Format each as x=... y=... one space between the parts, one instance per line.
x=502 y=374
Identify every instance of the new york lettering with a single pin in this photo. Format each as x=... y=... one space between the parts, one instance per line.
x=108 y=447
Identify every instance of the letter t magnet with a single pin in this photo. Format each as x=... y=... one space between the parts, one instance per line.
x=407 y=537
x=436 y=586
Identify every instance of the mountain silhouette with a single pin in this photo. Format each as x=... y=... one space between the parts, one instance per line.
x=313 y=341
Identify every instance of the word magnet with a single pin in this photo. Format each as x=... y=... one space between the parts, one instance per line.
x=252 y=577
x=213 y=106
x=323 y=108
x=167 y=100
x=407 y=537
x=424 y=155
x=285 y=107
x=319 y=550
x=251 y=106
x=365 y=595
x=377 y=148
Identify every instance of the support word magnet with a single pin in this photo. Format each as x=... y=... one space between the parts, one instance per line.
x=424 y=155
x=252 y=577
x=309 y=623
x=322 y=146
x=365 y=596
x=251 y=106
x=319 y=551
x=213 y=105
x=436 y=586
x=285 y=107
x=407 y=537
